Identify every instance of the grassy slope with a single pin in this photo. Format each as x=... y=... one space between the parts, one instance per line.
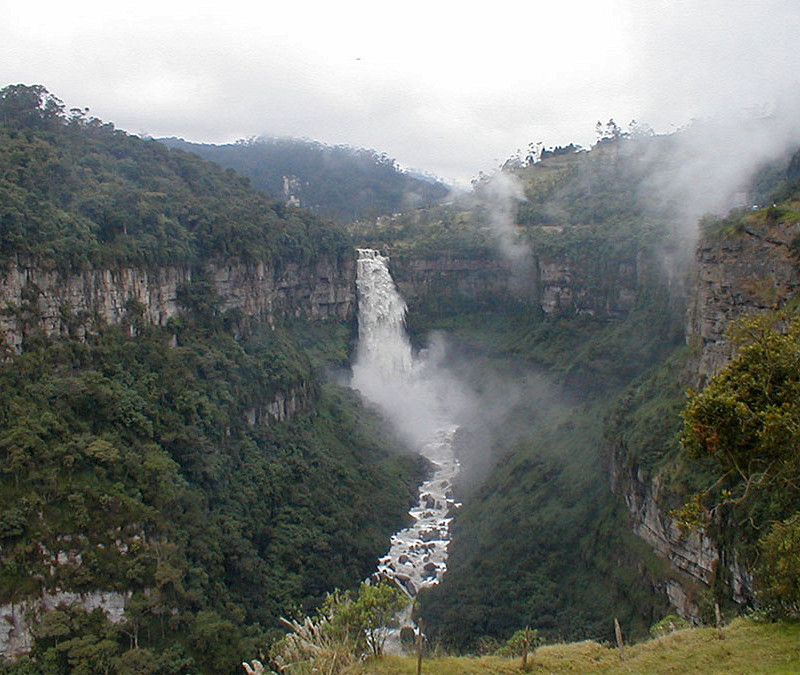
x=748 y=647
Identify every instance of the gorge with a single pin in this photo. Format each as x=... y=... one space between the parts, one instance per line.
x=189 y=433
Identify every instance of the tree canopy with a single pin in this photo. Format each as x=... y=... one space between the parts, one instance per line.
x=747 y=419
x=746 y=425
x=77 y=192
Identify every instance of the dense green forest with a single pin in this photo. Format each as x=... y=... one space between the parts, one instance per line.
x=333 y=181
x=131 y=461
x=77 y=192
x=542 y=541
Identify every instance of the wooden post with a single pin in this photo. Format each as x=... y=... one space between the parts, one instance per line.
x=620 y=644
x=526 y=645
x=718 y=614
x=419 y=647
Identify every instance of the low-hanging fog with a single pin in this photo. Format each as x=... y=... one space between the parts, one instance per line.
x=414 y=391
x=441 y=385
x=438 y=87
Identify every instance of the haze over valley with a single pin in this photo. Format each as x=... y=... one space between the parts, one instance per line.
x=338 y=338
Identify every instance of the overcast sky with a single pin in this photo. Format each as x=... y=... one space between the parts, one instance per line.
x=451 y=88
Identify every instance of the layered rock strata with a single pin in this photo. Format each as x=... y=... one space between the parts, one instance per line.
x=738 y=275
x=70 y=304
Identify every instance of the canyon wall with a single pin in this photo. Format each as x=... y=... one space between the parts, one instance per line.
x=738 y=274
x=558 y=284
x=17 y=620
x=61 y=304
x=693 y=555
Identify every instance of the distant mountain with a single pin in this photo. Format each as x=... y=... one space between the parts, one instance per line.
x=338 y=182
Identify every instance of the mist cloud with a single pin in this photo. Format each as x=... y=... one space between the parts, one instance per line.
x=442 y=90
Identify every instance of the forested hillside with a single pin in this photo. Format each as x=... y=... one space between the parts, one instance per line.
x=177 y=468
x=599 y=316
x=541 y=540
x=78 y=192
x=337 y=182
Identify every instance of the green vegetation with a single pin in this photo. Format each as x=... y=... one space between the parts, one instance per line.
x=744 y=426
x=78 y=193
x=779 y=568
x=746 y=419
x=137 y=459
x=338 y=182
x=453 y=229
x=347 y=629
x=610 y=184
x=541 y=541
x=145 y=460
x=776 y=181
x=669 y=624
x=645 y=421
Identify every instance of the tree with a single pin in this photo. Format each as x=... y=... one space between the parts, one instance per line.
x=345 y=629
x=748 y=417
x=366 y=619
x=609 y=131
x=779 y=568
x=747 y=421
x=524 y=643
x=31 y=106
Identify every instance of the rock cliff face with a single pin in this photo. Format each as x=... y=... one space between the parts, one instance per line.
x=741 y=274
x=736 y=275
x=60 y=304
x=559 y=285
x=566 y=287
x=445 y=275
x=284 y=406
x=33 y=300
x=16 y=620
x=693 y=556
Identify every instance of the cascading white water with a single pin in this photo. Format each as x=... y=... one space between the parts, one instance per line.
x=414 y=396
x=382 y=342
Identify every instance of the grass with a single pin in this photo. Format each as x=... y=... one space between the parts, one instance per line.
x=748 y=647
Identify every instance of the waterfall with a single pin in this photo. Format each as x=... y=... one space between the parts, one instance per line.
x=383 y=346
x=417 y=397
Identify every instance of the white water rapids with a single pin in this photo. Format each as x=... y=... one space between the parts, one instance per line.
x=413 y=394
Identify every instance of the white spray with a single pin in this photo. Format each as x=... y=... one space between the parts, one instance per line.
x=418 y=398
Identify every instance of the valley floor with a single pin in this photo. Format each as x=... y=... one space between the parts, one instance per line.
x=747 y=647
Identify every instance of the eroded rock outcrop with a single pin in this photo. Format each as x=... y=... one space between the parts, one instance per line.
x=693 y=555
x=63 y=304
x=566 y=287
x=17 y=619
x=284 y=405
x=738 y=275
x=558 y=284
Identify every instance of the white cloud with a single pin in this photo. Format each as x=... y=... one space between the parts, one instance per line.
x=438 y=86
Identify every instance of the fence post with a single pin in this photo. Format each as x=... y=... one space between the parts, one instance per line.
x=620 y=644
